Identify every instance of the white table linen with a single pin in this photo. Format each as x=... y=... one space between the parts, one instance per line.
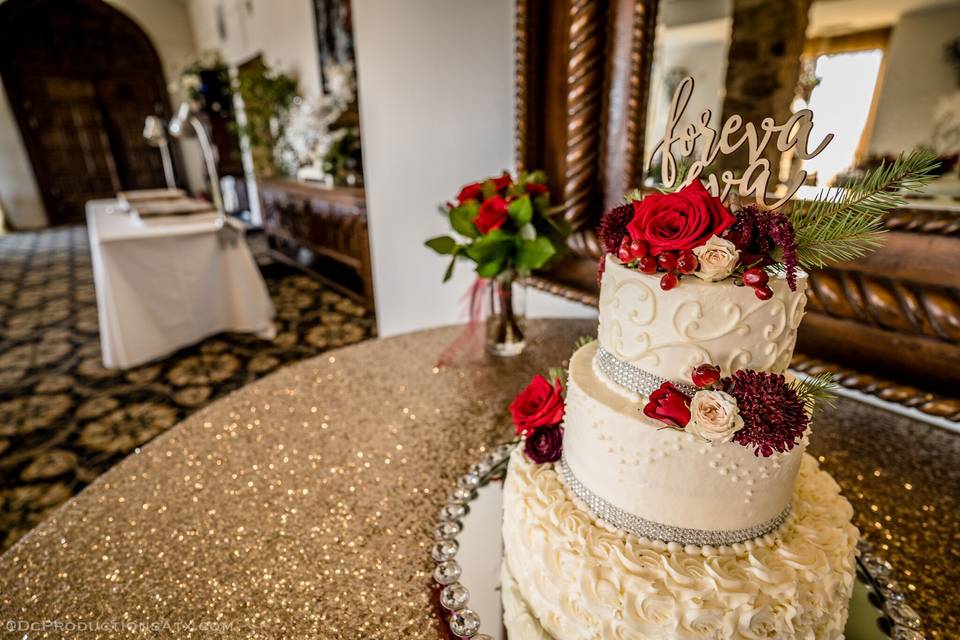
x=168 y=283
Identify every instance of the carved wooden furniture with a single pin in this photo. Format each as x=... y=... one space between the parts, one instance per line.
x=582 y=77
x=323 y=229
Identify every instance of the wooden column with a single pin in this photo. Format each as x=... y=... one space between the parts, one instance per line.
x=582 y=78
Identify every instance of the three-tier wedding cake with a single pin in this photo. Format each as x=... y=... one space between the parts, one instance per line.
x=643 y=530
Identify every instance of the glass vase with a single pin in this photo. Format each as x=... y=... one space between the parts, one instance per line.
x=507 y=318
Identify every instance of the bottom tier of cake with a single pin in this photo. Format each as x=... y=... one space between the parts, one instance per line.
x=569 y=576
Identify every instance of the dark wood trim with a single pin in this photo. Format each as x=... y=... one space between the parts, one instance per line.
x=146 y=60
x=582 y=72
x=632 y=32
x=910 y=396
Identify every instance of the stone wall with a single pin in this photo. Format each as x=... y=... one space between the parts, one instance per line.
x=763 y=66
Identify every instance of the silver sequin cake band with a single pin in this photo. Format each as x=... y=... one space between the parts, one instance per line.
x=642 y=528
x=631 y=377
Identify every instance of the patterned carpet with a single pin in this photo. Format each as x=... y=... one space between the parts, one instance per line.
x=64 y=419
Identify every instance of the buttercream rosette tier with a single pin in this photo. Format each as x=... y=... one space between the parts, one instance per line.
x=569 y=576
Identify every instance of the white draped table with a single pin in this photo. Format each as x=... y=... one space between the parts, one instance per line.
x=166 y=284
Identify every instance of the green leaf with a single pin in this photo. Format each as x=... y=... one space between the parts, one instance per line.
x=449 y=272
x=490 y=269
x=556 y=373
x=528 y=232
x=533 y=254
x=444 y=245
x=521 y=210
x=542 y=204
x=493 y=246
x=516 y=189
x=461 y=219
x=536 y=176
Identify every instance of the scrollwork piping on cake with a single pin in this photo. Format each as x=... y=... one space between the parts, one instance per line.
x=641 y=314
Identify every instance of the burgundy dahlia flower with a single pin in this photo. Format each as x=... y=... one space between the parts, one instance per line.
x=613 y=227
x=758 y=233
x=773 y=415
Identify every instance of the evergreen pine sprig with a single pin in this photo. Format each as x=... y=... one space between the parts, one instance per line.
x=847 y=224
x=816 y=390
x=557 y=373
x=583 y=341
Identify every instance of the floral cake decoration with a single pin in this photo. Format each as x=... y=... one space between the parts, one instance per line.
x=537 y=413
x=756 y=409
x=691 y=232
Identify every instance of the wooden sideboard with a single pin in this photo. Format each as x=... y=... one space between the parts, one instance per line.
x=323 y=229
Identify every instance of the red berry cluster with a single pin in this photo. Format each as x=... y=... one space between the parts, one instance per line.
x=757 y=278
x=636 y=253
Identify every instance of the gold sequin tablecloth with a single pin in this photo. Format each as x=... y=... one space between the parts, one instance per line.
x=302 y=506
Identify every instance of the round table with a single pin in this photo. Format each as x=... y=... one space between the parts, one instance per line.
x=303 y=505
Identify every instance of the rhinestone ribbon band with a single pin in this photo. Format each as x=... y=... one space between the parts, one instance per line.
x=631 y=377
x=642 y=528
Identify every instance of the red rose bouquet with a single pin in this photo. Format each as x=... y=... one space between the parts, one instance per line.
x=504 y=224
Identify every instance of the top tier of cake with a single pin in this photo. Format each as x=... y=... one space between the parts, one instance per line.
x=668 y=333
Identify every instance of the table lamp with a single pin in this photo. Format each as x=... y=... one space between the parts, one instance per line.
x=177 y=129
x=156 y=136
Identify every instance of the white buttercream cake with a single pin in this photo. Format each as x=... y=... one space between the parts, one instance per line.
x=647 y=532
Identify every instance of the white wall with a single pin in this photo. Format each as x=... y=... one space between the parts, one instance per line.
x=917 y=76
x=283 y=31
x=436 y=110
x=167 y=23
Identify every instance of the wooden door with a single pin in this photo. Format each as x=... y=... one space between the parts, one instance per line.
x=81 y=77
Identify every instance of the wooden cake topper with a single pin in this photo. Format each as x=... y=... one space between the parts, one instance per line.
x=755 y=180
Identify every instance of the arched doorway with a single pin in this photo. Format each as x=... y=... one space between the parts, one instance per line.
x=81 y=77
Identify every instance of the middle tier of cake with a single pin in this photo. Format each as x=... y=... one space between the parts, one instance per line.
x=661 y=483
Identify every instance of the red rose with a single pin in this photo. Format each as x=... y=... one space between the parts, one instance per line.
x=492 y=215
x=469 y=192
x=678 y=221
x=539 y=405
x=536 y=188
x=669 y=405
x=502 y=182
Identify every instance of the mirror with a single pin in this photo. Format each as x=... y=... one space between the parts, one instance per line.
x=882 y=75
